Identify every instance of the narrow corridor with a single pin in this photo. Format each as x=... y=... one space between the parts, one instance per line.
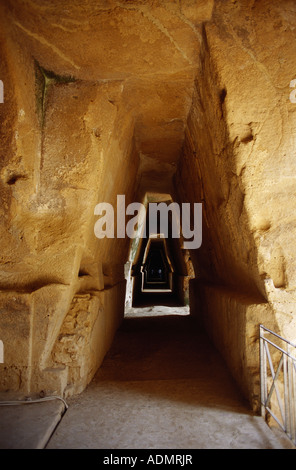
x=161 y=386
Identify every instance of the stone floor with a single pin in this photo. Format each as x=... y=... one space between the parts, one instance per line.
x=28 y=425
x=162 y=386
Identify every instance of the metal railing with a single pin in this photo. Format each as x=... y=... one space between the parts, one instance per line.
x=278 y=380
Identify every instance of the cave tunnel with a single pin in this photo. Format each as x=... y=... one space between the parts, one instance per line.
x=160 y=270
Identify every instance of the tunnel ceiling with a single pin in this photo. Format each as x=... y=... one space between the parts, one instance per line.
x=151 y=47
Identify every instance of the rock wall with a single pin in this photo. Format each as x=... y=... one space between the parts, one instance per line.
x=238 y=158
x=67 y=145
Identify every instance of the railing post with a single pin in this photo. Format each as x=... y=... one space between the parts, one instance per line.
x=286 y=395
x=291 y=394
x=263 y=394
x=294 y=396
x=286 y=364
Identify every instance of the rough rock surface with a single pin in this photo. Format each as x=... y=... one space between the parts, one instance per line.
x=105 y=98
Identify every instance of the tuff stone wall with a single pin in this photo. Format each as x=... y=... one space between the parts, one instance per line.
x=66 y=147
x=238 y=158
